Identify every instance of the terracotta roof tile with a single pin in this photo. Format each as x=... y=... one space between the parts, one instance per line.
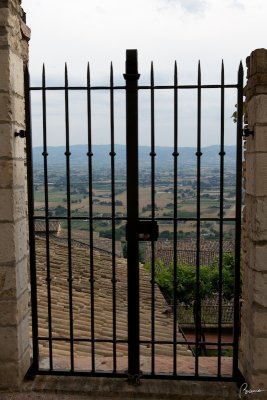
x=103 y=306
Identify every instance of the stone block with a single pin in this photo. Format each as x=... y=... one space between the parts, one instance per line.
x=8 y=312
x=260 y=258
x=12 y=173
x=12 y=204
x=6 y=176
x=18 y=111
x=5 y=70
x=23 y=335
x=6 y=140
x=258 y=142
x=12 y=111
x=4 y=14
x=7 y=243
x=256 y=108
x=13 y=311
x=13 y=241
x=12 y=373
x=8 y=283
x=6 y=205
x=9 y=376
x=259 y=354
x=259 y=321
x=14 y=340
x=258 y=61
x=256 y=173
x=22 y=278
x=20 y=210
x=9 y=343
x=260 y=292
x=21 y=239
x=245 y=341
x=248 y=274
x=16 y=74
x=257 y=218
x=4 y=37
x=5 y=108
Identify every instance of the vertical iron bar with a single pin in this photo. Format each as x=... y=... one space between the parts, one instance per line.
x=131 y=78
x=175 y=215
x=152 y=155
x=68 y=154
x=112 y=155
x=198 y=154
x=34 y=302
x=48 y=272
x=91 y=229
x=238 y=215
x=221 y=154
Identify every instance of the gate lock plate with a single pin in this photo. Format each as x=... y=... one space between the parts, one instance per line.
x=148 y=231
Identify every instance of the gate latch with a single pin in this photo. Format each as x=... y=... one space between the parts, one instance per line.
x=148 y=231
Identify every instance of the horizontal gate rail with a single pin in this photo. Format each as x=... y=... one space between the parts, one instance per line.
x=134 y=340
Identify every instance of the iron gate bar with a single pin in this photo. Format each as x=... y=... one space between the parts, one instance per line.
x=99 y=374
x=131 y=78
x=75 y=218
x=239 y=133
x=141 y=87
x=175 y=205
x=32 y=254
x=70 y=277
x=152 y=156
x=112 y=158
x=91 y=228
x=160 y=87
x=221 y=226
x=197 y=310
x=86 y=340
x=48 y=272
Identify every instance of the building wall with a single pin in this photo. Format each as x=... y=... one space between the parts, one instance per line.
x=14 y=332
x=253 y=356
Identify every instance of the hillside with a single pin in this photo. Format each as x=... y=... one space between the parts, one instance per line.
x=164 y=158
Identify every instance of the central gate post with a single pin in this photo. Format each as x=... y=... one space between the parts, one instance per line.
x=131 y=78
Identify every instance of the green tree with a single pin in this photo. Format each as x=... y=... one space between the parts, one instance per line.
x=186 y=280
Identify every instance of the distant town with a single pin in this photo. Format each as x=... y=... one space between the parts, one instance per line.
x=164 y=190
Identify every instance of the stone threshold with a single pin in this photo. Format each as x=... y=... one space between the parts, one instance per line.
x=74 y=388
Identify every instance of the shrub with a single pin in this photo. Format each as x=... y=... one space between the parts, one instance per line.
x=185 y=291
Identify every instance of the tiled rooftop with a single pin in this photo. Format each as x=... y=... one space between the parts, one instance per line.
x=103 y=305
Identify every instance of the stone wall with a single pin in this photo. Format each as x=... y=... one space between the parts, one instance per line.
x=253 y=356
x=14 y=332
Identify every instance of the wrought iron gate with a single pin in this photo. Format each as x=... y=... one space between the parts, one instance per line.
x=137 y=229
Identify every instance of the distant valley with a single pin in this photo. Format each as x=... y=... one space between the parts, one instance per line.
x=164 y=159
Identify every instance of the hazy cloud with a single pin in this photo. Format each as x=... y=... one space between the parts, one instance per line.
x=101 y=30
x=237 y=4
x=190 y=6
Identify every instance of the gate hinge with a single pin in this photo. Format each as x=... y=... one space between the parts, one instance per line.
x=247 y=132
x=134 y=379
x=21 y=134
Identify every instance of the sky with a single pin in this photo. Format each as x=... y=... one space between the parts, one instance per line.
x=100 y=31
